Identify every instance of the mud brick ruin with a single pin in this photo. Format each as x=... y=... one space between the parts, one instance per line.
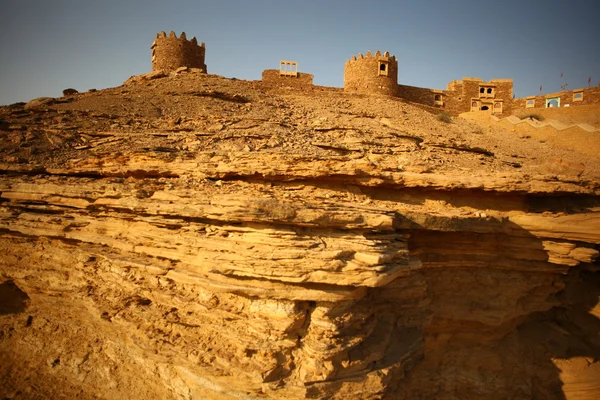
x=287 y=75
x=378 y=75
x=170 y=53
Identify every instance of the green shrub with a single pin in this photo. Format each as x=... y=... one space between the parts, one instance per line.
x=444 y=117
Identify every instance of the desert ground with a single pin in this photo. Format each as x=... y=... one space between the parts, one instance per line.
x=192 y=236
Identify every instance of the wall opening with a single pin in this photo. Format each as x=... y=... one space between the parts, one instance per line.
x=484 y=108
x=383 y=68
x=578 y=96
x=288 y=68
x=553 y=102
x=485 y=91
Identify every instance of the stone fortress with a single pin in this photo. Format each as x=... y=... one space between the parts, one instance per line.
x=378 y=75
x=172 y=52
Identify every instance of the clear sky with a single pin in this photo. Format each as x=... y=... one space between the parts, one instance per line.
x=49 y=45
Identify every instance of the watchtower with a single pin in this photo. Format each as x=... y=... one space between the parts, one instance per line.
x=376 y=74
x=172 y=52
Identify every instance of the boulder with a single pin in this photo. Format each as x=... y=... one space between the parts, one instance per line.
x=70 y=92
x=39 y=102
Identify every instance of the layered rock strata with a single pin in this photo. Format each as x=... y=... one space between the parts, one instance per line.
x=181 y=267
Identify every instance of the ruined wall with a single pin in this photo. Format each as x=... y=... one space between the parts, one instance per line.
x=576 y=97
x=170 y=53
x=419 y=95
x=372 y=74
x=273 y=77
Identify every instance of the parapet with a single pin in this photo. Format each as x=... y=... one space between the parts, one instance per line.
x=171 y=52
x=373 y=74
x=182 y=38
x=377 y=56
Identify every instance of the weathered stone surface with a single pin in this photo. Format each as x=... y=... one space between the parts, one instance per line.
x=39 y=102
x=246 y=241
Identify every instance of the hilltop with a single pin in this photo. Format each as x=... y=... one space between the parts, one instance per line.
x=186 y=235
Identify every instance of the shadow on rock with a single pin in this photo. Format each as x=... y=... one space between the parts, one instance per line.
x=12 y=299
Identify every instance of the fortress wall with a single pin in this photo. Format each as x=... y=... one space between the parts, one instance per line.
x=272 y=76
x=504 y=92
x=590 y=96
x=587 y=113
x=417 y=94
x=170 y=53
x=469 y=92
x=456 y=102
x=362 y=74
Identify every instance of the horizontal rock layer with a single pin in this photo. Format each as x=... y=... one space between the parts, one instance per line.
x=321 y=254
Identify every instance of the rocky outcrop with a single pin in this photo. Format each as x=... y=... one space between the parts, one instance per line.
x=181 y=267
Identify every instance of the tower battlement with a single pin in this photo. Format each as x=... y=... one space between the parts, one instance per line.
x=171 y=52
x=373 y=74
x=368 y=55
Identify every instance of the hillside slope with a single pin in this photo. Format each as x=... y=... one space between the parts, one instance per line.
x=192 y=236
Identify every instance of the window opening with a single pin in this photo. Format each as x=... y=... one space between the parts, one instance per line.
x=553 y=102
x=383 y=68
x=288 y=68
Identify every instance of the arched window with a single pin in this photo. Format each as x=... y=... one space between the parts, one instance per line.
x=553 y=102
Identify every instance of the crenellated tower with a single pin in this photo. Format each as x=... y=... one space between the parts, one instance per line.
x=172 y=52
x=373 y=74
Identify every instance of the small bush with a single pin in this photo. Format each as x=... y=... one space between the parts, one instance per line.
x=444 y=117
x=532 y=116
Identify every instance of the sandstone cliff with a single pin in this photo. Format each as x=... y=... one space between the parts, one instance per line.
x=192 y=236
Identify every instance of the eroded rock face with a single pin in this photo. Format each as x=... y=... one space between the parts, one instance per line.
x=242 y=250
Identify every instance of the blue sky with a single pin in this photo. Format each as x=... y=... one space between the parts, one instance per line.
x=47 y=46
